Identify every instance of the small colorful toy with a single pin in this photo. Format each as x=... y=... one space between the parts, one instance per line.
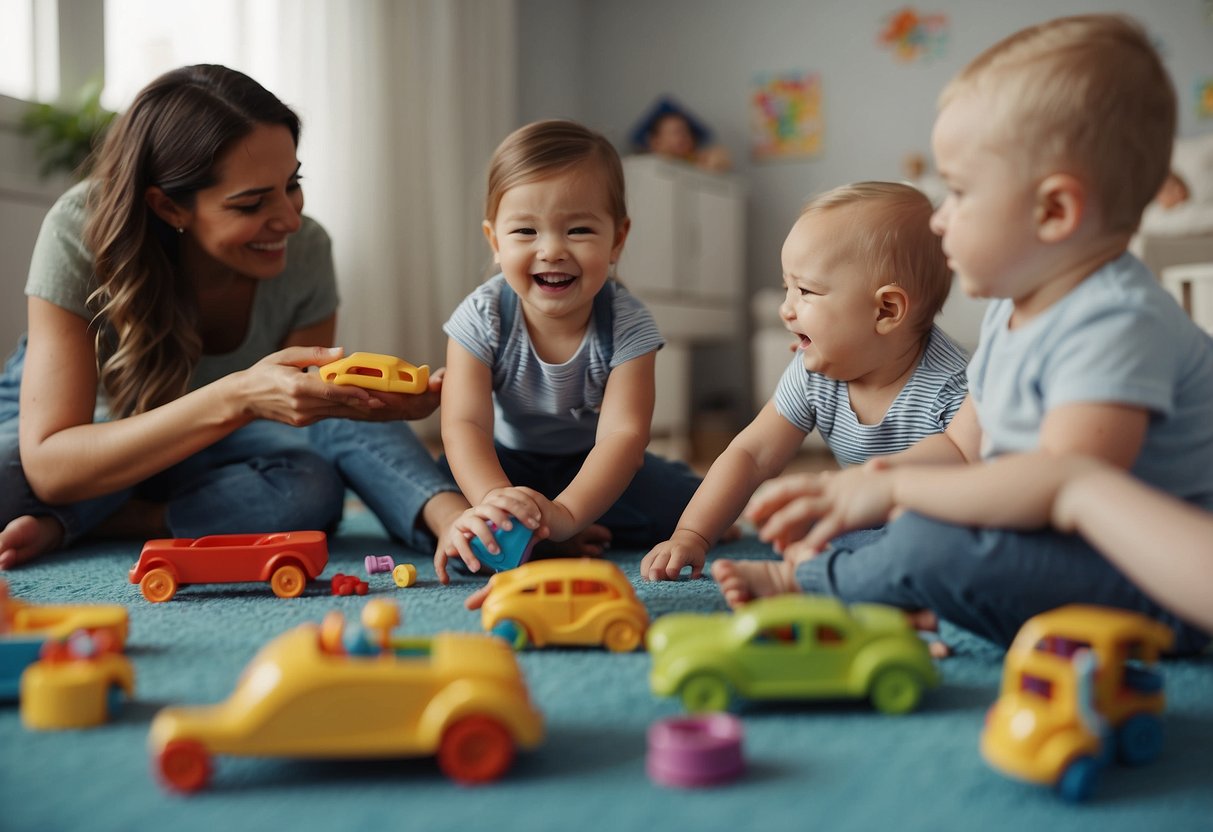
x=375 y=371
x=26 y=627
x=405 y=575
x=78 y=682
x=791 y=647
x=378 y=563
x=695 y=751
x=565 y=601
x=288 y=560
x=515 y=544
x=461 y=696
x=1079 y=686
x=348 y=585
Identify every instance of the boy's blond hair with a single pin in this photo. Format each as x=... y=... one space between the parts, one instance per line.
x=891 y=237
x=1087 y=93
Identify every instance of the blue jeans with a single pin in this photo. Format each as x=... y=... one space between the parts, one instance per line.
x=644 y=515
x=263 y=477
x=989 y=581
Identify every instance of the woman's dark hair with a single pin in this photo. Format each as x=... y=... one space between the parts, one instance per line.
x=176 y=129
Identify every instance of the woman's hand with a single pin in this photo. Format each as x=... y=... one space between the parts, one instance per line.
x=279 y=388
x=405 y=405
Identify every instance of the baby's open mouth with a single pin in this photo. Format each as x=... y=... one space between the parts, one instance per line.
x=553 y=280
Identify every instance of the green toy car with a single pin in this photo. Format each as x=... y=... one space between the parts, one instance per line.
x=791 y=647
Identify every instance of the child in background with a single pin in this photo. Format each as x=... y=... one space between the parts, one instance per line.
x=549 y=389
x=1051 y=143
x=864 y=277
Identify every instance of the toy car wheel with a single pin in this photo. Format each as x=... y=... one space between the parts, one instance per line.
x=1077 y=782
x=476 y=749
x=288 y=581
x=1139 y=740
x=621 y=636
x=184 y=765
x=158 y=585
x=513 y=632
x=705 y=692
x=895 y=691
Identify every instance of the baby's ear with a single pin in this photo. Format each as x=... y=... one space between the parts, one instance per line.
x=1061 y=201
x=892 y=307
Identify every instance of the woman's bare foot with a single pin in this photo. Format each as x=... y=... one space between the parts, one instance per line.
x=27 y=537
x=590 y=542
x=742 y=581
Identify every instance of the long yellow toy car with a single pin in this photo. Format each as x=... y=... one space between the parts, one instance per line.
x=330 y=691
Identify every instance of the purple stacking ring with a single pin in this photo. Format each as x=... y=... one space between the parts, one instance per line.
x=695 y=751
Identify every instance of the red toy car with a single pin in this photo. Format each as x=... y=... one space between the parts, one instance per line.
x=288 y=560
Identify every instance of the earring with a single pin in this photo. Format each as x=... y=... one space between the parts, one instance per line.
x=180 y=229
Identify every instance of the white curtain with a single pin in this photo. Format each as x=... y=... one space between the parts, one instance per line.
x=403 y=102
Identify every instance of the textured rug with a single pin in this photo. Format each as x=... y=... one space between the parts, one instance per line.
x=810 y=766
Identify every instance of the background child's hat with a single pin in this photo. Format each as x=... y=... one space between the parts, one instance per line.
x=662 y=107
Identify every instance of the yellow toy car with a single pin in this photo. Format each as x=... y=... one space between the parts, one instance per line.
x=565 y=601
x=376 y=371
x=1079 y=686
x=333 y=691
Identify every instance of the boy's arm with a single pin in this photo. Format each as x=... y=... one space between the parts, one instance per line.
x=467 y=425
x=1111 y=432
x=760 y=451
x=817 y=507
x=618 y=453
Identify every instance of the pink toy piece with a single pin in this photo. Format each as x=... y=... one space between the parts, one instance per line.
x=378 y=563
x=695 y=751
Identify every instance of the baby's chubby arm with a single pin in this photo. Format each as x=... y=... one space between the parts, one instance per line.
x=623 y=434
x=758 y=452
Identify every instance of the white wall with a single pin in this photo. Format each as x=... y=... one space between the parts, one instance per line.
x=706 y=52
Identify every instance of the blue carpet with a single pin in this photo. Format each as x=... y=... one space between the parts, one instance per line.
x=814 y=766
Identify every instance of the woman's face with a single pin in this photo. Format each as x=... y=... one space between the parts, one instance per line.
x=242 y=222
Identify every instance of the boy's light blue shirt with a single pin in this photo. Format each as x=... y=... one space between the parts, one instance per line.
x=1116 y=338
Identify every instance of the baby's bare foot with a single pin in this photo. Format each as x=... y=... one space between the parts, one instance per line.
x=27 y=537
x=742 y=581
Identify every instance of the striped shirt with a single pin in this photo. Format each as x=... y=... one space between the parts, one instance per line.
x=926 y=404
x=537 y=406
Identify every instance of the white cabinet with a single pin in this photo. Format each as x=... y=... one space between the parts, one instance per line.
x=685 y=258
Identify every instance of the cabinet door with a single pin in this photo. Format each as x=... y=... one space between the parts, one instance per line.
x=715 y=269
x=649 y=263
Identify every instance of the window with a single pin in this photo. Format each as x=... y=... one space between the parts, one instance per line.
x=29 y=50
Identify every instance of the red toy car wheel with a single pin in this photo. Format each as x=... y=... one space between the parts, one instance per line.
x=184 y=765
x=476 y=749
x=158 y=585
x=288 y=581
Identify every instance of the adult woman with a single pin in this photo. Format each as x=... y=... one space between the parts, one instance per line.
x=168 y=281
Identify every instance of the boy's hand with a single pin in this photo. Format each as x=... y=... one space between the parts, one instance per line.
x=820 y=507
x=456 y=540
x=666 y=560
x=785 y=508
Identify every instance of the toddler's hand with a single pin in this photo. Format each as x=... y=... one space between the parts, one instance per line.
x=785 y=508
x=666 y=560
x=856 y=498
x=474 y=522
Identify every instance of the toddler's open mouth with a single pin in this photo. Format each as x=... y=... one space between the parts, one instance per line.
x=553 y=281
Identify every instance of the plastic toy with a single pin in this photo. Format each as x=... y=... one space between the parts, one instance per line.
x=565 y=601
x=515 y=544
x=77 y=683
x=378 y=563
x=695 y=751
x=405 y=575
x=288 y=560
x=304 y=695
x=25 y=627
x=375 y=371
x=348 y=585
x=1079 y=686
x=791 y=647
